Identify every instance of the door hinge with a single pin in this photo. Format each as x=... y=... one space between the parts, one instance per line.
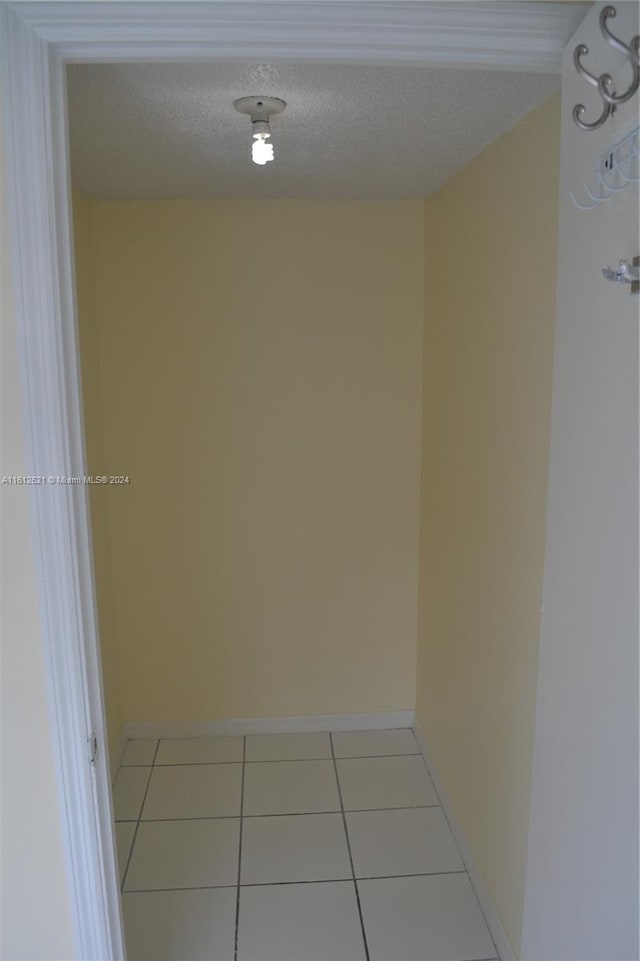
x=92 y=744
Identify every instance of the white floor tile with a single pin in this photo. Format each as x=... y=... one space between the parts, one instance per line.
x=301 y=847
x=300 y=922
x=199 y=750
x=124 y=836
x=288 y=747
x=290 y=787
x=128 y=792
x=417 y=841
x=385 y=782
x=193 y=791
x=374 y=743
x=180 y=925
x=433 y=918
x=189 y=834
x=184 y=854
x=140 y=751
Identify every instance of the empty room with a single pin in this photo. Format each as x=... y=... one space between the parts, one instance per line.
x=346 y=358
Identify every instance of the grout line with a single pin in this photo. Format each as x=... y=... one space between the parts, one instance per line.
x=197 y=763
x=164 y=764
x=346 y=835
x=284 y=814
x=343 y=757
x=202 y=817
x=418 y=874
x=235 y=944
x=272 y=760
x=196 y=887
x=404 y=807
x=276 y=884
x=369 y=757
x=137 y=828
x=372 y=877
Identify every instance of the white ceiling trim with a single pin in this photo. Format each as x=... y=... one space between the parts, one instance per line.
x=504 y=35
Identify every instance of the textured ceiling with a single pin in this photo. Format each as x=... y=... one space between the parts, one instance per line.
x=169 y=130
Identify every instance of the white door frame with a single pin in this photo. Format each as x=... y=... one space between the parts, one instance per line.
x=37 y=40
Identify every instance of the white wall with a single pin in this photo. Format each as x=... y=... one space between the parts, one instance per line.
x=581 y=899
x=35 y=919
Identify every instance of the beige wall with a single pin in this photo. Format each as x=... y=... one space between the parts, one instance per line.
x=35 y=919
x=96 y=464
x=260 y=375
x=260 y=384
x=490 y=248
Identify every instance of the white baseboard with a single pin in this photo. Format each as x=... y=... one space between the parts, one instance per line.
x=270 y=725
x=501 y=940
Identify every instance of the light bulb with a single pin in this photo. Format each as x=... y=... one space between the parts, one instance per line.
x=260 y=109
x=261 y=149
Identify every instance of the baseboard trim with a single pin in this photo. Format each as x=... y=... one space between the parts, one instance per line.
x=270 y=725
x=501 y=940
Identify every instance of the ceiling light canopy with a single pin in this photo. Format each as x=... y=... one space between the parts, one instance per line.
x=260 y=110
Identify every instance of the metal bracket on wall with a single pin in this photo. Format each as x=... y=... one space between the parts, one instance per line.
x=625 y=273
x=603 y=83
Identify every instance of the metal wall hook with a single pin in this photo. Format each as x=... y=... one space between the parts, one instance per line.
x=581 y=51
x=603 y=83
x=609 y=13
x=630 y=272
x=629 y=52
x=625 y=273
x=579 y=109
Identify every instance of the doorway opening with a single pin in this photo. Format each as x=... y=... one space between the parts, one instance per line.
x=38 y=43
x=252 y=351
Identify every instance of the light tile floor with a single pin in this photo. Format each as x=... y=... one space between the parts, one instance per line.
x=290 y=847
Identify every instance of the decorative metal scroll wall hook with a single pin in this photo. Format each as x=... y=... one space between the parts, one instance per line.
x=603 y=83
x=581 y=51
x=631 y=51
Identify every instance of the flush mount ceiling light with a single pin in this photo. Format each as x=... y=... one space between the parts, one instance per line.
x=260 y=110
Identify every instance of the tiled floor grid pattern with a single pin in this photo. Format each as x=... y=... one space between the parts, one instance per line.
x=290 y=847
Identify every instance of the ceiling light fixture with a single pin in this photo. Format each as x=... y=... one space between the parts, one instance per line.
x=260 y=110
